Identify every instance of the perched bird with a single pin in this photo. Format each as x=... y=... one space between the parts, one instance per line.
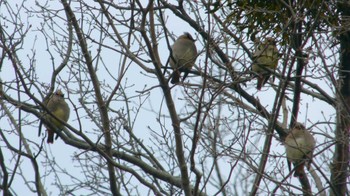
x=299 y=145
x=58 y=107
x=183 y=56
x=265 y=56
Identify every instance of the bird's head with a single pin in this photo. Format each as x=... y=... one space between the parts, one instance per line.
x=59 y=93
x=270 y=40
x=299 y=126
x=188 y=36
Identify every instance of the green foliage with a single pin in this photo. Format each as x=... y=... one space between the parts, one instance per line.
x=276 y=16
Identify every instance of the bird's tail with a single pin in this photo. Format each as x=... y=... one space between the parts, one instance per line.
x=50 y=136
x=299 y=170
x=262 y=80
x=260 y=83
x=176 y=77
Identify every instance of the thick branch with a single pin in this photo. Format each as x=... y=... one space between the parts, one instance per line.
x=96 y=84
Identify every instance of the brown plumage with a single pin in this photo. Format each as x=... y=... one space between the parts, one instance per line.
x=58 y=107
x=299 y=145
x=184 y=54
x=265 y=56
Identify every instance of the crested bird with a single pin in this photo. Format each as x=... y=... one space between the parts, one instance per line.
x=59 y=108
x=182 y=57
x=300 y=145
x=265 y=56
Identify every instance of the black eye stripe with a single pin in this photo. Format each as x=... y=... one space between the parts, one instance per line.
x=60 y=94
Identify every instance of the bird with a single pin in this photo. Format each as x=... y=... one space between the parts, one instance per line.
x=300 y=145
x=183 y=56
x=59 y=108
x=265 y=56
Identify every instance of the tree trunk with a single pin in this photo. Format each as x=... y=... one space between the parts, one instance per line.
x=341 y=155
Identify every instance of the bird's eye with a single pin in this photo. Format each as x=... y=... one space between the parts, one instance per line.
x=60 y=94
